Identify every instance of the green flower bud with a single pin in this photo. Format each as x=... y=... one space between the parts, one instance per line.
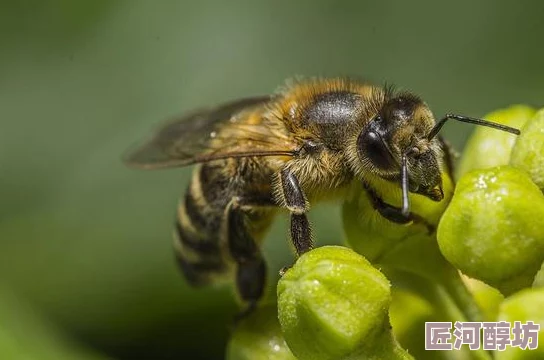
x=259 y=337
x=523 y=307
x=528 y=152
x=493 y=229
x=333 y=304
x=485 y=141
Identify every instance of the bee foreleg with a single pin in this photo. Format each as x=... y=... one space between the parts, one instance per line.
x=251 y=267
x=394 y=214
x=295 y=201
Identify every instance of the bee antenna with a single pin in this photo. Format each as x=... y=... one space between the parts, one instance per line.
x=470 y=120
x=404 y=184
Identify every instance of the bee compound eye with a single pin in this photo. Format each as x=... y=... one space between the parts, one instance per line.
x=371 y=146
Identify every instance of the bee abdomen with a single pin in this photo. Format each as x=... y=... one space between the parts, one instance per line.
x=197 y=234
x=200 y=261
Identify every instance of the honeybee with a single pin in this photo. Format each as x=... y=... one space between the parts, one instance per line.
x=309 y=142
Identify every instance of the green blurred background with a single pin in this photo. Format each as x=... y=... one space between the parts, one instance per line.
x=86 y=268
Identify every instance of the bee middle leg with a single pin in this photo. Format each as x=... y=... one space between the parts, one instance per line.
x=250 y=264
x=295 y=201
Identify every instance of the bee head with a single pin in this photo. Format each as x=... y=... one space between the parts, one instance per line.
x=399 y=131
x=399 y=144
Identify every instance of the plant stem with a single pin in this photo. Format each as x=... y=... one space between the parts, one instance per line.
x=458 y=291
x=385 y=346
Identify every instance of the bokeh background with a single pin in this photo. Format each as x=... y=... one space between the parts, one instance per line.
x=86 y=268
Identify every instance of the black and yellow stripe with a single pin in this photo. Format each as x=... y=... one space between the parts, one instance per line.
x=198 y=230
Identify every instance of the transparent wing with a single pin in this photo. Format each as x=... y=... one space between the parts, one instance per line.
x=211 y=134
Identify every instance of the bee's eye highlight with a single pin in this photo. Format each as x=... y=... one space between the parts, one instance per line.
x=370 y=145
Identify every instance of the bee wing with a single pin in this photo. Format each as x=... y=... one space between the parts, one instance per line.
x=207 y=135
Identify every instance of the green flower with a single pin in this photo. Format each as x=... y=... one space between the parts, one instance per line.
x=333 y=304
x=493 y=229
x=528 y=152
x=259 y=337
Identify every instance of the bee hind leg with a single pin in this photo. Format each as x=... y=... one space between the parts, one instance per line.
x=251 y=267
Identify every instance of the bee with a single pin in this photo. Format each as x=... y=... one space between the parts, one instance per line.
x=307 y=143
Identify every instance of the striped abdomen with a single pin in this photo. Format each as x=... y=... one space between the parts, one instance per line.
x=201 y=229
